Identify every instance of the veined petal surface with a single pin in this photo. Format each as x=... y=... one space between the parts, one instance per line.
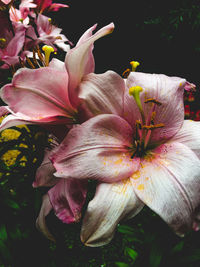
x=111 y=203
x=102 y=93
x=38 y=94
x=168 y=182
x=97 y=149
x=189 y=135
x=67 y=198
x=41 y=222
x=80 y=61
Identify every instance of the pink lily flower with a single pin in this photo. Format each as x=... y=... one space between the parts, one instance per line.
x=11 y=46
x=59 y=95
x=48 y=34
x=21 y=15
x=150 y=156
x=48 y=5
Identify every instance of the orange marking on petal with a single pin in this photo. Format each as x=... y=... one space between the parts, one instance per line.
x=140 y=187
x=119 y=161
x=136 y=175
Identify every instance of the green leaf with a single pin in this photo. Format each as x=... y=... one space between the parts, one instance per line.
x=131 y=253
x=4 y=252
x=121 y=264
x=178 y=247
x=12 y=204
x=3 y=233
x=155 y=254
x=125 y=229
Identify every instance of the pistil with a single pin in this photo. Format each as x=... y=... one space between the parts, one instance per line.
x=144 y=128
x=47 y=50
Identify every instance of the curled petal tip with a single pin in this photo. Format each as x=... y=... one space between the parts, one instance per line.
x=190 y=87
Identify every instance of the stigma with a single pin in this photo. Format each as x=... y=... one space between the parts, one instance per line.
x=47 y=50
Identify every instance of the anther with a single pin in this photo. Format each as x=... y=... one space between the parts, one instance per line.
x=138 y=124
x=153 y=100
x=2 y=43
x=126 y=73
x=151 y=127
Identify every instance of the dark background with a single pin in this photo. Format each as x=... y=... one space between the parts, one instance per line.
x=164 y=36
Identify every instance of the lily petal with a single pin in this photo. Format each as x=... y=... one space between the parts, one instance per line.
x=79 y=60
x=97 y=149
x=40 y=222
x=44 y=174
x=168 y=182
x=45 y=91
x=168 y=91
x=189 y=135
x=67 y=198
x=102 y=93
x=112 y=203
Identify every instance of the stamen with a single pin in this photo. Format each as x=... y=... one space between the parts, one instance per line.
x=139 y=124
x=47 y=50
x=21 y=62
x=30 y=63
x=153 y=100
x=126 y=73
x=153 y=115
x=151 y=127
x=2 y=43
x=39 y=54
x=134 y=65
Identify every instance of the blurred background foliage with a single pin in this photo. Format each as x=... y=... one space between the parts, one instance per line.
x=164 y=37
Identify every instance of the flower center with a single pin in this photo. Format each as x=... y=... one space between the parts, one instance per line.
x=144 y=127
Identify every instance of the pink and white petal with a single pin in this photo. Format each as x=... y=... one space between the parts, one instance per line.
x=189 y=135
x=168 y=91
x=57 y=64
x=40 y=222
x=67 y=198
x=45 y=91
x=102 y=93
x=56 y=6
x=4 y=110
x=80 y=61
x=111 y=204
x=97 y=149
x=17 y=42
x=12 y=120
x=44 y=174
x=169 y=183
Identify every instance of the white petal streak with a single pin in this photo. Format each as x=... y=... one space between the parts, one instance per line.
x=112 y=202
x=169 y=183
